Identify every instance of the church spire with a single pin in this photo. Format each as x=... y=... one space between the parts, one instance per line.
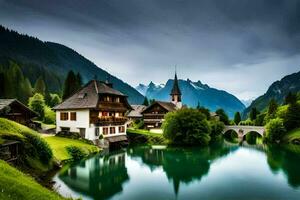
x=176 y=93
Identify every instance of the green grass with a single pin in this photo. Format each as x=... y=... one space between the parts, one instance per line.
x=59 y=144
x=10 y=130
x=46 y=126
x=15 y=185
x=142 y=136
x=292 y=135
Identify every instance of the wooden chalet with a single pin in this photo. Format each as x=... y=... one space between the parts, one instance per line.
x=96 y=109
x=14 y=110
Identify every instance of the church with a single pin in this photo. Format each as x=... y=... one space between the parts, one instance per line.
x=154 y=114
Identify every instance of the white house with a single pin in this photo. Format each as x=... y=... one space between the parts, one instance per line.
x=96 y=109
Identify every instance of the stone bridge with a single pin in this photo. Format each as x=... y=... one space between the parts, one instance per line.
x=244 y=130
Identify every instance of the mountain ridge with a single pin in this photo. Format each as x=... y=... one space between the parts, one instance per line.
x=51 y=59
x=194 y=93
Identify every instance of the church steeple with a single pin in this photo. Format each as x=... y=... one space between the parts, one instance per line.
x=176 y=93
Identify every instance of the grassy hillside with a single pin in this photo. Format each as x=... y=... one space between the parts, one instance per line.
x=15 y=185
x=35 y=153
x=59 y=146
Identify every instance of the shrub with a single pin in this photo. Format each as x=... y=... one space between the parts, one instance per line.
x=247 y=122
x=49 y=116
x=43 y=150
x=54 y=100
x=37 y=104
x=68 y=134
x=186 y=126
x=76 y=152
x=217 y=128
x=260 y=119
x=275 y=130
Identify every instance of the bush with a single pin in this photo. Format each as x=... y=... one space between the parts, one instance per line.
x=43 y=150
x=37 y=104
x=186 y=126
x=275 y=130
x=217 y=128
x=260 y=119
x=49 y=116
x=76 y=152
x=54 y=100
x=68 y=134
x=247 y=122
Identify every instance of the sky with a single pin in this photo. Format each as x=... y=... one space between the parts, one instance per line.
x=241 y=46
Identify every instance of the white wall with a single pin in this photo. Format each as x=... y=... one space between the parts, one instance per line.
x=83 y=121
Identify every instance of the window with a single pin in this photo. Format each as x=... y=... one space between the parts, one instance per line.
x=112 y=130
x=73 y=116
x=64 y=116
x=105 y=131
x=117 y=99
x=96 y=131
x=121 y=129
x=104 y=114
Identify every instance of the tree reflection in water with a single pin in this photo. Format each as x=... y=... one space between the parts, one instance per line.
x=181 y=164
x=100 y=177
x=285 y=160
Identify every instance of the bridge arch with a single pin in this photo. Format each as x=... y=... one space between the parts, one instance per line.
x=244 y=130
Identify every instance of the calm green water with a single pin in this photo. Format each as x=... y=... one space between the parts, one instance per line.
x=220 y=172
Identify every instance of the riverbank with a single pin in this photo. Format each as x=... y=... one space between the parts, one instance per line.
x=140 y=136
x=59 y=146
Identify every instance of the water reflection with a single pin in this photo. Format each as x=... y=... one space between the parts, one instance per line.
x=99 y=178
x=181 y=165
x=159 y=172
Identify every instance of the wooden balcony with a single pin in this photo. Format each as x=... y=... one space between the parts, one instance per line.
x=108 y=120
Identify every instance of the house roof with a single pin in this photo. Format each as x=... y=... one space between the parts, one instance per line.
x=87 y=96
x=169 y=106
x=137 y=111
x=4 y=103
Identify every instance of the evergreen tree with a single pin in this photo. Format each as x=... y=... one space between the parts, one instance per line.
x=223 y=116
x=79 y=80
x=70 y=85
x=290 y=98
x=26 y=90
x=253 y=114
x=2 y=83
x=237 y=118
x=146 y=102
x=40 y=86
x=272 y=107
x=292 y=118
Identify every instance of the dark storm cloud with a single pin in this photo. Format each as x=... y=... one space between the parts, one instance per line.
x=221 y=42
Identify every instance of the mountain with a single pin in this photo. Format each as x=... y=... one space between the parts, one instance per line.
x=247 y=102
x=278 y=90
x=52 y=61
x=194 y=92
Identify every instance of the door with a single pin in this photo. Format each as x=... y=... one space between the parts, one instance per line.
x=82 y=132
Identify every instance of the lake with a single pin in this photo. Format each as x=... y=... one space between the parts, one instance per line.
x=224 y=171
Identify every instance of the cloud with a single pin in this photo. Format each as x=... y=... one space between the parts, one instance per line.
x=232 y=45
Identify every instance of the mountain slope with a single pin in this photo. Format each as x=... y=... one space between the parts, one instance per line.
x=194 y=92
x=53 y=61
x=278 y=90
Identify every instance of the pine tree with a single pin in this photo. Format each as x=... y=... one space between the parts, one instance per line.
x=2 y=83
x=272 y=107
x=223 y=116
x=290 y=98
x=146 y=102
x=40 y=86
x=79 y=80
x=70 y=85
x=237 y=118
x=253 y=114
x=26 y=90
